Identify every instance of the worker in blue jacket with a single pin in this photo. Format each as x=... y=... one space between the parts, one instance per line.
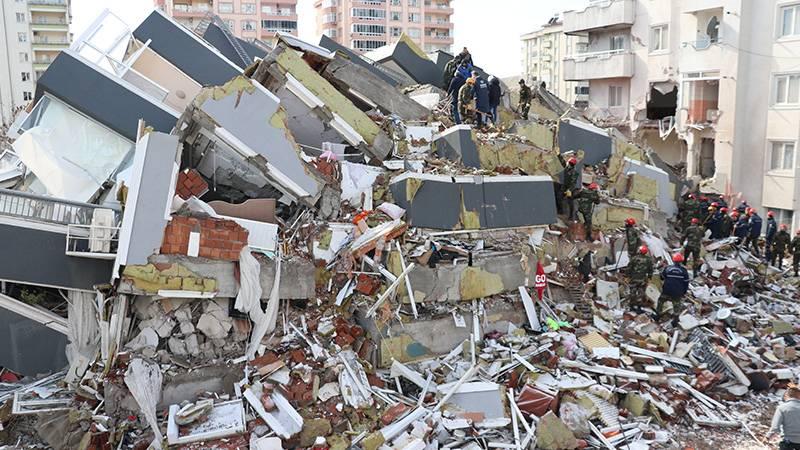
x=769 y=235
x=481 y=92
x=742 y=227
x=455 y=85
x=755 y=231
x=676 y=283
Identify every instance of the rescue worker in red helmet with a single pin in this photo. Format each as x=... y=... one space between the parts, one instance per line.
x=633 y=238
x=688 y=209
x=676 y=283
x=693 y=236
x=640 y=270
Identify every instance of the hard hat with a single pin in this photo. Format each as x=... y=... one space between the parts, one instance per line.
x=695 y=220
x=677 y=258
x=470 y=80
x=715 y=204
x=784 y=226
x=724 y=209
x=643 y=250
x=630 y=221
x=572 y=161
x=750 y=211
x=735 y=214
x=593 y=186
x=770 y=214
x=711 y=208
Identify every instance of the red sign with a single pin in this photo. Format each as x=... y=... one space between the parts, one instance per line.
x=540 y=282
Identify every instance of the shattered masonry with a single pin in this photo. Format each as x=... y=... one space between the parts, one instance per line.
x=234 y=246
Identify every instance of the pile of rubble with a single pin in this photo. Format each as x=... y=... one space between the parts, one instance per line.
x=294 y=248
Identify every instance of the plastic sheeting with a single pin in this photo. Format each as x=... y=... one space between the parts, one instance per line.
x=249 y=299
x=69 y=154
x=144 y=381
x=83 y=332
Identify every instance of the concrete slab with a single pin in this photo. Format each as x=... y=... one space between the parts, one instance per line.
x=574 y=135
x=659 y=180
x=474 y=202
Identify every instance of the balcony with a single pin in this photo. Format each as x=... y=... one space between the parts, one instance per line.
x=439 y=38
x=47 y=5
x=701 y=5
x=191 y=10
x=600 y=14
x=49 y=24
x=438 y=23
x=45 y=44
x=439 y=8
x=701 y=55
x=599 y=65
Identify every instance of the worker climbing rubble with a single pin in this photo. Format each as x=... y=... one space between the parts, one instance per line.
x=569 y=186
x=779 y=246
x=640 y=270
x=693 y=239
x=525 y=99
x=676 y=283
x=587 y=199
x=633 y=238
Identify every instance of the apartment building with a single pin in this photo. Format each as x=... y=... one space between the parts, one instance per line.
x=32 y=32
x=365 y=25
x=712 y=84
x=247 y=19
x=543 y=52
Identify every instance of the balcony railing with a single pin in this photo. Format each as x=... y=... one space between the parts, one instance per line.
x=48 y=2
x=43 y=21
x=39 y=208
x=45 y=40
x=92 y=241
x=600 y=14
x=278 y=12
x=599 y=65
x=200 y=8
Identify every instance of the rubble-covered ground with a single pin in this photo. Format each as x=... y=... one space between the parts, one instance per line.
x=407 y=284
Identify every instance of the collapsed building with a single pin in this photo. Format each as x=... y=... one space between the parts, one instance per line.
x=297 y=248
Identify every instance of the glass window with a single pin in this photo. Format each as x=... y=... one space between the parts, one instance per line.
x=414 y=17
x=22 y=37
x=369 y=30
x=782 y=216
x=617 y=42
x=248 y=25
x=413 y=3
x=226 y=7
x=27 y=96
x=231 y=24
x=397 y=31
x=787 y=89
x=368 y=13
x=26 y=76
x=790 y=20
x=396 y=16
x=782 y=157
x=248 y=8
x=414 y=32
x=615 y=96
x=659 y=38
x=20 y=17
x=396 y=3
x=23 y=57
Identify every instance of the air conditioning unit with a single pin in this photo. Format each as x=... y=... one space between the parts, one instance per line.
x=712 y=115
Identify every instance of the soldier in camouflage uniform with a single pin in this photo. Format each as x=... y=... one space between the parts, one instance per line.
x=587 y=198
x=525 y=98
x=465 y=95
x=795 y=248
x=633 y=238
x=779 y=245
x=688 y=210
x=725 y=224
x=693 y=237
x=571 y=176
x=640 y=270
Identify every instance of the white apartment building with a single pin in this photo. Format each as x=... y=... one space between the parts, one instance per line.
x=713 y=84
x=543 y=52
x=32 y=32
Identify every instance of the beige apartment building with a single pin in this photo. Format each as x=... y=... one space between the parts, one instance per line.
x=365 y=25
x=712 y=84
x=32 y=32
x=543 y=52
x=247 y=19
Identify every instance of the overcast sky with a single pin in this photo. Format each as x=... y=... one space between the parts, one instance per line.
x=489 y=28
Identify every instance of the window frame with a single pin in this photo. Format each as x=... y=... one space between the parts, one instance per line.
x=252 y=5
x=617 y=96
x=795 y=31
x=219 y=8
x=777 y=91
x=781 y=156
x=249 y=25
x=663 y=38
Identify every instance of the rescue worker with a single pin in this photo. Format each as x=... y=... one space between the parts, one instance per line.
x=786 y=421
x=743 y=207
x=465 y=69
x=525 y=98
x=795 y=249
x=571 y=181
x=725 y=224
x=769 y=235
x=704 y=204
x=688 y=211
x=465 y=56
x=587 y=198
x=782 y=241
x=481 y=92
x=676 y=283
x=694 y=238
x=453 y=89
x=449 y=71
x=465 y=95
x=495 y=95
x=632 y=237
x=754 y=224
x=640 y=270
x=741 y=228
x=711 y=222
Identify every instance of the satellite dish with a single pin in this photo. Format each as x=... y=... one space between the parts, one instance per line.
x=713 y=29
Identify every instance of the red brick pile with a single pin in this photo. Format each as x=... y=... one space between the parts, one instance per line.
x=219 y=239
